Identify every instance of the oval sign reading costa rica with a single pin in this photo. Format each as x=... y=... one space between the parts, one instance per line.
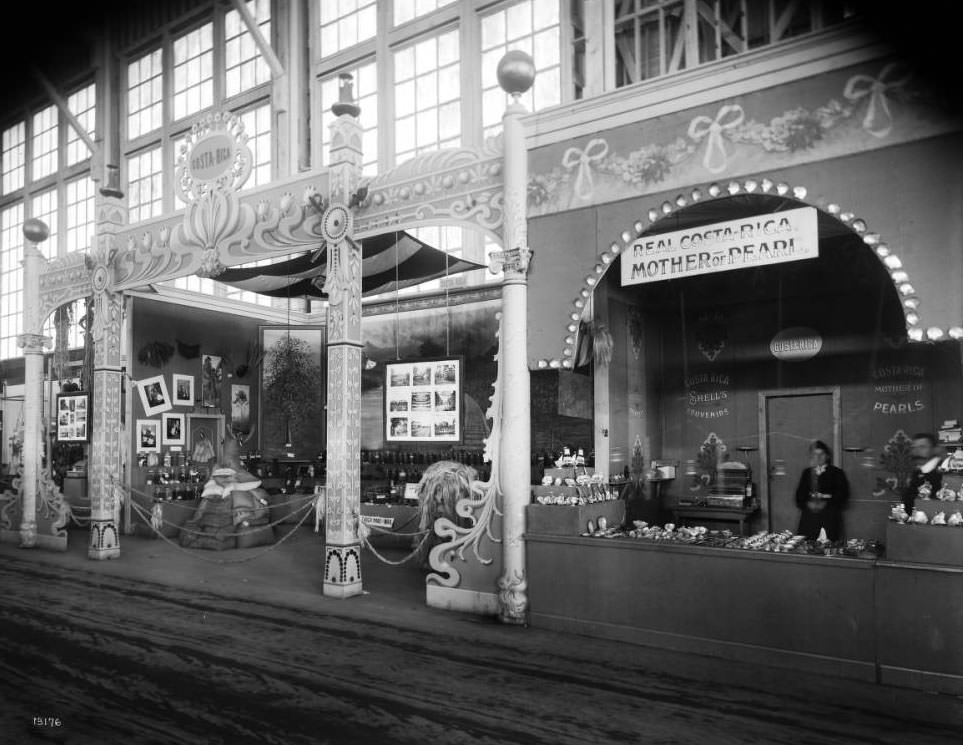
x=211 y=157
x=796 y=344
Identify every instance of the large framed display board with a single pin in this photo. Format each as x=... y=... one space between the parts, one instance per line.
x=73 y=417
x=423 y=401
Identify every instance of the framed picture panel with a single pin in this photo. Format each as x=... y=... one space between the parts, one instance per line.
x=423 y=400
x=73 y=417
x=172 y=429
x=205 y=437
x=154 y=396
x=148 y=436
x=183 y=386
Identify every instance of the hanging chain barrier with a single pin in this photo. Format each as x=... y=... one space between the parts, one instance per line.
x=146 y=516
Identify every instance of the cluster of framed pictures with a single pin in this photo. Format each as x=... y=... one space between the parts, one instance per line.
x=73 y=417
x=423 y=401
x=200 y=434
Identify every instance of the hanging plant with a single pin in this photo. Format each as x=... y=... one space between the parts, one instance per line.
x=63 y=317
x=292 y=377
x=253 y=360
x=155 y=354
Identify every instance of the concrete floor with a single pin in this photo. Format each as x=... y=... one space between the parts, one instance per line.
x=167 y=646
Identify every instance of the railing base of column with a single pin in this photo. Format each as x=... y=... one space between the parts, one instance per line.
x=104 y=543
x=342 y=571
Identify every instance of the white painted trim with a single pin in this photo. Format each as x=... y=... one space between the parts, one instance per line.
x=814 y=54
x=191 y=299
x=463 y=601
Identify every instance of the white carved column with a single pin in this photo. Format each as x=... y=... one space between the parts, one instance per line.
x=342 y=559
x=33 y=342
x=516 y=72
x=105 y=471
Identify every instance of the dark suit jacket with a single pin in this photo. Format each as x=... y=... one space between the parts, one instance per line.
x=831 y=481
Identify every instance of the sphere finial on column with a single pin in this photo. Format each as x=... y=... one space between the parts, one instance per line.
x=345 y=103
x=516 y=72
x=35 y=230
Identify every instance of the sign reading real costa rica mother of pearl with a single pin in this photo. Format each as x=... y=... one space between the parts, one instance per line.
x=755 y=241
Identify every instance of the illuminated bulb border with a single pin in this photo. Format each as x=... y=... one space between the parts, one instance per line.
x=898 y=275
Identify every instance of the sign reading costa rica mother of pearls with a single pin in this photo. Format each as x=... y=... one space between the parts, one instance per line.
x=755 y=241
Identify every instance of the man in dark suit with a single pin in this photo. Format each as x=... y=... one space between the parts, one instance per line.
x=926 y=477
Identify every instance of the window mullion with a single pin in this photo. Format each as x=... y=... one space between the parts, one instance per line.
x=385 y=71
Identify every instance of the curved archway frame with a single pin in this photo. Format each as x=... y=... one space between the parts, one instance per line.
x=456 y=187
x=907 y=293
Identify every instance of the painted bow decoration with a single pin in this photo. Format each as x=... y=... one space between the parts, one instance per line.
x=878 y=120
x=595 y=150
x=716 y=157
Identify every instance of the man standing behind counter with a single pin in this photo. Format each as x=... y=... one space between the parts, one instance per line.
x=926 y=478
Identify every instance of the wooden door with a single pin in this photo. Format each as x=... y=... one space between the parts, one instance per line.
x=789 y=421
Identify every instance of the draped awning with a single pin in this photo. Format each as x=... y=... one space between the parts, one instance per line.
x=389 y=262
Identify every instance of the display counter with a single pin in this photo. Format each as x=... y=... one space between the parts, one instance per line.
x=804 y=612
x=833 y=615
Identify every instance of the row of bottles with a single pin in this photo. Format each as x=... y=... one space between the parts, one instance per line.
x=169 y=483
x=422 y=457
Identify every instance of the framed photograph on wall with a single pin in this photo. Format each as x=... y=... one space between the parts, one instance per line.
x=205 y=435
x=148 y=436
x=212 y=374
x=73 y=417
x=183 y=386
x=154 y=396
x=172 y=429
x=292 y=394
x=423 y=400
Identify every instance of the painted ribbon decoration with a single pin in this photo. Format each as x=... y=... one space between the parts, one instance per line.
x=716 y=157
x=878 y=120
x=596 y=149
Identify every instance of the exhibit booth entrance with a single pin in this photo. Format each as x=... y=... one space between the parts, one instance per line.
x=757 y=325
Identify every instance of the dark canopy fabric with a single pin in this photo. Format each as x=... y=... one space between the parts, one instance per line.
x=389 y=262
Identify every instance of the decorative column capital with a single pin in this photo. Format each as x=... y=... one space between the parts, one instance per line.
x=34 y=343
x=514 y=261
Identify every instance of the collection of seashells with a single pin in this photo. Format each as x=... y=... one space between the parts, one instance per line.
x=588 y=490
x=919 y=517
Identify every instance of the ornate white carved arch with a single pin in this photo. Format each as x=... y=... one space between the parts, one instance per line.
x=908 y=295
x=64 y=280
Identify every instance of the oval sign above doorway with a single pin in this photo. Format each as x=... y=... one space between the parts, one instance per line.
x=796 y=344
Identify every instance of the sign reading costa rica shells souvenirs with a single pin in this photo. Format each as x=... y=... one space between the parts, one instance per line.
x=755 y=241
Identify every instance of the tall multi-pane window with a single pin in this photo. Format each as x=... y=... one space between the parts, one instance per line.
x=11 y=278
x=82 y=105
x=43 y=206
x=427 y=96
x=44 y=161
x=145 y=178
x=257 y=126
x=194 y=71
x=145 y=94
x=80 y=213
x=244 y=67
x=346 y=22
x=533 y=27
x=13 y=157
x=365 y=90
x=408 y=10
